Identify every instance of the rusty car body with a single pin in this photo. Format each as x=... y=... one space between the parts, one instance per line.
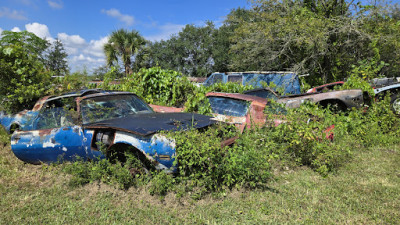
x=85 y=123
x=244 y=111
x=325 y=87
x=232 y=108
x=342 y=100
x=13 y=122
x=241 y=110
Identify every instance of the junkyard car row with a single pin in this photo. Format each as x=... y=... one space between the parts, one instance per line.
x=82 y=124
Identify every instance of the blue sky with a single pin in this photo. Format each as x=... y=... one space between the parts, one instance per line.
x=84 y=25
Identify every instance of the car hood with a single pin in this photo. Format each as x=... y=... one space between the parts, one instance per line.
x=147 y=124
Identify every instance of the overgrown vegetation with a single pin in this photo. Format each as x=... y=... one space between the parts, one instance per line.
x=304 y=142
x=205 y=167
x=363 y=191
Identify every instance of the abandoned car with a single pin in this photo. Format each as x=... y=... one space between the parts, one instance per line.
x=341 y=100
x=388 y=86
x=84 y=124
x=245 y=111
x=241 y=110
x=233 y=108
x=288 y=81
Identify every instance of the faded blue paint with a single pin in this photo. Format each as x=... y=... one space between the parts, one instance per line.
x=20 y=119
x=153 y=146
x=68 y=143
x=48 y=136
x=287 y=80
x=59 y=144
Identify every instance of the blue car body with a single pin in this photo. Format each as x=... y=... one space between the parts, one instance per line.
x=17 y=120
x=50 y=137
x=288 y=81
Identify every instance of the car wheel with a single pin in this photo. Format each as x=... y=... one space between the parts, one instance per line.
x=335 y=106
x=395 y=103
x=13 y=128
x=134 y=159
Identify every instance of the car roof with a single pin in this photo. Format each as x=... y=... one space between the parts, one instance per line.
x=259 y=89
x=76 y=94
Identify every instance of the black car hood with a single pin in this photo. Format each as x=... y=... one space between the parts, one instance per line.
x=147 y=124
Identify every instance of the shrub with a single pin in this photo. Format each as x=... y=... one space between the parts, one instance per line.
x=205 y=166
x=302 y=140
x=23 y=78
x=4 y=136
x=158 y=86
x=115 y=173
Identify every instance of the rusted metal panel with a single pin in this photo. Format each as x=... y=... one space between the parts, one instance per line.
x=165 y=109
x=254 y=116
x=325 y=87
x=257 y=100
x=349 y=98
x=48 y=145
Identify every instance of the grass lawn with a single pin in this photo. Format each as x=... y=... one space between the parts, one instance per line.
x=364 y=191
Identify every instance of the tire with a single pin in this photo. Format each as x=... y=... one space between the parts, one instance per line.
x=395 y=104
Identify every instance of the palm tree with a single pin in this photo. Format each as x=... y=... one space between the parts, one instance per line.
x=123 y=44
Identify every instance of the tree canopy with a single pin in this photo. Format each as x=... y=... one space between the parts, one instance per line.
x=57 y=59
x=323 y=38
x=23 y=77
x=123 y=45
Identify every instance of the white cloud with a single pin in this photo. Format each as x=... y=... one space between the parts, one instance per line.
x=1 y=31
x=81 y=61
x=127 y=19
x=16 y=29
x=71 y=39
x=72 y=43
x=55 y=4
x=165 y=32
x=82 y=54
x=12 y=14
x=40 y=30
x=95 y=47
x=81 y=57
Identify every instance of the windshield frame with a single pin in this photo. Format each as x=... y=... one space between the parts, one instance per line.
x=113 y=95
x=236 y=114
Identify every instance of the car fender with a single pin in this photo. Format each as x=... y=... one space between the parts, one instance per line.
x=157 y=148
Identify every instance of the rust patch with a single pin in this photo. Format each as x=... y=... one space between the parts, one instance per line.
x=258 y=100
x=228 y=141
x=45 y=132
x=165 y=109
x=39 y=104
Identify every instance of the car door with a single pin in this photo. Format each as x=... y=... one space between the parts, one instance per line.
x=50 y=138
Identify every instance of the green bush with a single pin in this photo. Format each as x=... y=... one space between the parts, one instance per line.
x=23 y=78
x=302 y=140
x=4 y=136
x=114 y=173
x=158 y=86
x=205 y=166
x=246 y=164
